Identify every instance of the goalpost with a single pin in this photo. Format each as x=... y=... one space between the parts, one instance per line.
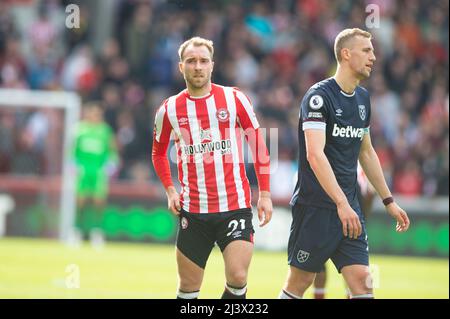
x=70 y=104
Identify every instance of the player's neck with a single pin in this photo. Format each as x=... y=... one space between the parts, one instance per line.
x=346 y=81
x=199 y=92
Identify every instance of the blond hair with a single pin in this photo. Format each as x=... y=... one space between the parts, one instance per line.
x=342 y=39
x=196 y=41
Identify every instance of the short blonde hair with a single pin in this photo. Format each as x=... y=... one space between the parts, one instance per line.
x=196 y=41
x=343 y=38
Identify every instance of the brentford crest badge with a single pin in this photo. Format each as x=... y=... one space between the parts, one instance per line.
x=222 y=115
x=184 y=222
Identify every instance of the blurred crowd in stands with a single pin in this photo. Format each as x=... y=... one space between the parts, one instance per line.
x=273 y=50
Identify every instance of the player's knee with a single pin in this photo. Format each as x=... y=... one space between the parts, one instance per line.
x=362 y=283
x=237 y=278
x=301 y=278
x=299 y=285
x=190 y=282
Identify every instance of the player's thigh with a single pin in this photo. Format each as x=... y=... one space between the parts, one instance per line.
x=237 y=256
x=82 y=183
x=86 y=184
x=100 y=187
x=234 y=235
x=190 y=274
x=299 y=279
x=315 y=235
x=195 y=237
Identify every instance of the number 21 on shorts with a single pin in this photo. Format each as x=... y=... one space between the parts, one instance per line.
x=234 y=224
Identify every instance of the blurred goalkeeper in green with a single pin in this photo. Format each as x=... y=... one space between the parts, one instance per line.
x=95 y=158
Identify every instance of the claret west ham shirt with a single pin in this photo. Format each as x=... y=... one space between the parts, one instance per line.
x=208 y=135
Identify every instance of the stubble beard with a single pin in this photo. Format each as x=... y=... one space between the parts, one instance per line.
x=363 y=74
x=198 y=85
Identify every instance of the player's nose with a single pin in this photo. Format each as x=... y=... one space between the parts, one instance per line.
x=198 y=65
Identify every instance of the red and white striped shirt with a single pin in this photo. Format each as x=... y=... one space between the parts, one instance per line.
x=208 y=135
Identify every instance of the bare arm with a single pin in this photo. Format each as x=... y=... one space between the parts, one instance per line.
x=315 y=144
x=372 y=168
x=370 y=163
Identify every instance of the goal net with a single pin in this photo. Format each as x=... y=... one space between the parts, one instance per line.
x=35 y=168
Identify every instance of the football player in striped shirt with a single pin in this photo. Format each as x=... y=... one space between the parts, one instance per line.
x=208 y=123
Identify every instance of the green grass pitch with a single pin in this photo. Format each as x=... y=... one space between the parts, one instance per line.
x=35 y=268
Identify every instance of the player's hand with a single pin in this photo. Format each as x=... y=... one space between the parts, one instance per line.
x=400 y=215
x=111 y=168
x=265 y=208
x=173 y=200
x=351 y=225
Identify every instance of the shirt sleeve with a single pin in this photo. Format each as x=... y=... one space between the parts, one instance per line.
x=161 y=163
x=261 y=158
x=161 y=139
x=260 y=154
x=245 y=113
x=313 y=111
x=163 y=128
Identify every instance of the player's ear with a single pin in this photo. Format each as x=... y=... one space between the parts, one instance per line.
x=180 y=67
x=345 y=54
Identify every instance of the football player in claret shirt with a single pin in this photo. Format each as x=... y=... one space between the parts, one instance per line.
x=327 y=222
x=208 y=122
